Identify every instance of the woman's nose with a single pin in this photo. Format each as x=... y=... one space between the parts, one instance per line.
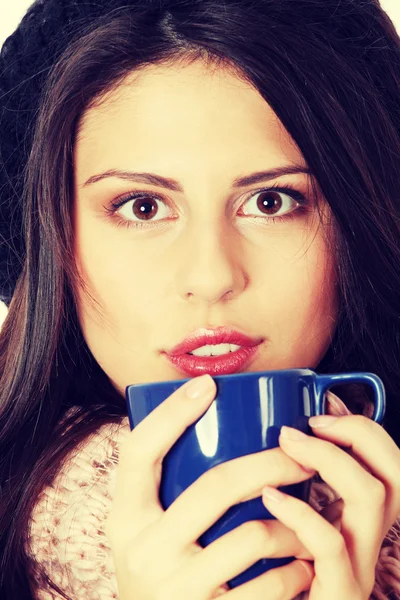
x=211 y=264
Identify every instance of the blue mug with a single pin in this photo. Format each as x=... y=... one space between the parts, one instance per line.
x=245 y=417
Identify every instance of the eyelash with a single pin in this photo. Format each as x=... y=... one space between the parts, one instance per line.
x=295 y=194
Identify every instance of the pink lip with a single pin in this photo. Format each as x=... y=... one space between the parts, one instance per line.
x=226 y=364
x=220 y=335
x=213 y=365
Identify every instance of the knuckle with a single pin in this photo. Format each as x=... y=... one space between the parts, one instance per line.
x=303 y=512
x=217 y=478
x=260 y=535
x=275 y=461
x=378 y=492
x=280 y=464
x=224 y=478
x=276 y=458
x=279 y=585
x=137 y=454
x=376 y=498
x=364 y=423
x=337 y=545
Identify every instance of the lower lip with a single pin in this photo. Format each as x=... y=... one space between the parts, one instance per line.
x=213 y=365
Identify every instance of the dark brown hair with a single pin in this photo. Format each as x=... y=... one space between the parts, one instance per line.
x=331 y=72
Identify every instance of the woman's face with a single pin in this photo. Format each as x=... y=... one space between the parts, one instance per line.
x=206 y=253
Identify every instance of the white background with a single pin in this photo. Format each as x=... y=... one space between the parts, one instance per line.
x=12 y=11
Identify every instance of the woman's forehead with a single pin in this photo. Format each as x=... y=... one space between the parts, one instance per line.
x=184 y=112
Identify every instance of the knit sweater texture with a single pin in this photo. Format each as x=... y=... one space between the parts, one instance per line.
x=66 y=534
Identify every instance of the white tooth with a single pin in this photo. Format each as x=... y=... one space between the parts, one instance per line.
x=220 y=349
x=202 y=351
x=233 y=347
x=214 y=350
x=211 y=350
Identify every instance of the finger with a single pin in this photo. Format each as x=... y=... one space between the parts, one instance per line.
x=278 y=583
x=334 y=576
x=142 y=451
x=239 y=549
x=259 y=539
x=372 y=445
x=226 y=485
x=335 y=406
x=363 y=494
x=243 y=546
x=282 y=582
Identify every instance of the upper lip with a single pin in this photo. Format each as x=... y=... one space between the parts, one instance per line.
x=220 y=335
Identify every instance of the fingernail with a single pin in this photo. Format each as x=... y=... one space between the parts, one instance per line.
x=322 y=421
x=199 y=386
x=339 y=407
x=289 y=433
x=272 y=494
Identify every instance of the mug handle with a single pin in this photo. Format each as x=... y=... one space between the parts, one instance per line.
x=324 y=382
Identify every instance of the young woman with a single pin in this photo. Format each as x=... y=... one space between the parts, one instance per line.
x=179 y=167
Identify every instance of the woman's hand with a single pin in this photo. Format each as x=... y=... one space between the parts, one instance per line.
x=361 y=462
x=156 y=555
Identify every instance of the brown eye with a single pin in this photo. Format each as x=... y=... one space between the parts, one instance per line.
x=270 y=203
x=144 y=208
x=134 y=208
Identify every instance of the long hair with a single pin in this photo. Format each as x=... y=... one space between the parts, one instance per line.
x=331 y=72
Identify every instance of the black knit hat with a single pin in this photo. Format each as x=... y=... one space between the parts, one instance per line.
x=26 y=57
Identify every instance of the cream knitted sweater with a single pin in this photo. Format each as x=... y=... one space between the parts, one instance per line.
x=66 y=535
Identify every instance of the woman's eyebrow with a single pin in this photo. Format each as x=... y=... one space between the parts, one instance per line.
x=172 y=184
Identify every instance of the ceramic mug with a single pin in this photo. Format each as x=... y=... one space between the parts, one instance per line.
x=245 y=417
